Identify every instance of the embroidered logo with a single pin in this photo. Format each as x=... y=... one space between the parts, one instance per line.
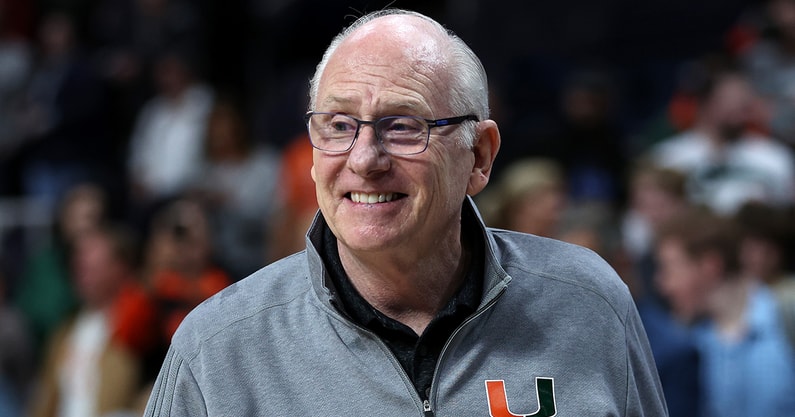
x=498 y=400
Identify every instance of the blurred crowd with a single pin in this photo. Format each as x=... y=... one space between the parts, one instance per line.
x=152 y=153
x=697 y=214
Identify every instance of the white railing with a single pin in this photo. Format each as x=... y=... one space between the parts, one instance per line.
x=32 y=216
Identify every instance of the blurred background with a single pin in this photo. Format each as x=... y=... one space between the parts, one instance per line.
x=153 y=152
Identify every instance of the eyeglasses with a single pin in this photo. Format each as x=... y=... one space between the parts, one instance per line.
x=398 y=135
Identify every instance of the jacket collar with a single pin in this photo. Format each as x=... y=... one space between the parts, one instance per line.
x=495 y=279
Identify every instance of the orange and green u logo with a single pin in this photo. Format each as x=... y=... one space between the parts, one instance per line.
x=498 y=400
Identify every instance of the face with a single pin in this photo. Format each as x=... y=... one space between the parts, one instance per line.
x=730 y=106
x=760 y=258
x=681 y=281
x=782 y=13
x=224 y=136
x=185 y=242
x=654 y=203
x=538 y=212
x=82 y=211
x=171 y=76
x=388 y=68
x=97 y=272
x=56 y=33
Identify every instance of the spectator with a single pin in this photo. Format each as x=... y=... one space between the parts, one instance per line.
x=588 y=141
x=179 y=268
x=655 y=196
x=62 y=117
x=726 y=165
x=237 y=185
x=530 y=198
x=297 y=203
x=768 y=235
x=167 y=142
x=93 y=366
x=676 y=356
x=592 y=225
x=45 y=294
x=130 y=35
x=747 y=364
x=770 y=66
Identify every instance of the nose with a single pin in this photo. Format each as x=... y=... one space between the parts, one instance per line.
x=368 y=157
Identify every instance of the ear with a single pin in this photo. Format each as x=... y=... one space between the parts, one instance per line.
x=312 y=173
x=487 y=144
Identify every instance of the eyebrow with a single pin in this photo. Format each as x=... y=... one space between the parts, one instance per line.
x=336 y=100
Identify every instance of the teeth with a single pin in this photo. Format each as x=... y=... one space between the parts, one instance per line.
x=372 y=198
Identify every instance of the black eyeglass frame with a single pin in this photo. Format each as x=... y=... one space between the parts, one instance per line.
x=447 y=121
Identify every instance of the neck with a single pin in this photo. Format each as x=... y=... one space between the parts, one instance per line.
x=411 y=289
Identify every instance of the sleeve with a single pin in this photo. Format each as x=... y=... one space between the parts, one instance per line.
x=644 y=392
x=176 y=392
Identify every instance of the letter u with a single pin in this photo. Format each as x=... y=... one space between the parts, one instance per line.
x=498 y=399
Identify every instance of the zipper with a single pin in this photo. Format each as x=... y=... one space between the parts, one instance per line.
x=427 y=403
x=426 y=407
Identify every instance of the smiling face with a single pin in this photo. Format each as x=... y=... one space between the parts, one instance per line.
x=371 y=200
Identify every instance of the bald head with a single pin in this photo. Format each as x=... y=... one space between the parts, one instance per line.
x=383 y=37
x=406 y=38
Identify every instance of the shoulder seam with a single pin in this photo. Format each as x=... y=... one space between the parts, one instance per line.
x=204 y=339
x=621 y=316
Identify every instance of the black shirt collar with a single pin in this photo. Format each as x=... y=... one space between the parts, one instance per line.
x=417 y=355
x=350 y=302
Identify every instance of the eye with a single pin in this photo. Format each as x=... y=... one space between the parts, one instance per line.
x=341 y=124
x=401 y=127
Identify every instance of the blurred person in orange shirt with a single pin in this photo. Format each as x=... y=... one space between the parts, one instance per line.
x=297 y=205
x=179 y=268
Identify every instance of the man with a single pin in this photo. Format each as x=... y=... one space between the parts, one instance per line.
x=403 y=302
x=92 y=367
x=726 y=164
x=746 y=363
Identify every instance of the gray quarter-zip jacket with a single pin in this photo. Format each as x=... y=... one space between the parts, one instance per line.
x=556 y=334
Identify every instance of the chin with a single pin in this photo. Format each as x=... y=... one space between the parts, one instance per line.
x=370 y=239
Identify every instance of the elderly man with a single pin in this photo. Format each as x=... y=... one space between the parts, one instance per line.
x=403 y=302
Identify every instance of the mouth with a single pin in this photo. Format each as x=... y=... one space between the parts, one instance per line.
x=373 y=198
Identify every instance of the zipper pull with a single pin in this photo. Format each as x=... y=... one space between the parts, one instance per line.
x=426 y=406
